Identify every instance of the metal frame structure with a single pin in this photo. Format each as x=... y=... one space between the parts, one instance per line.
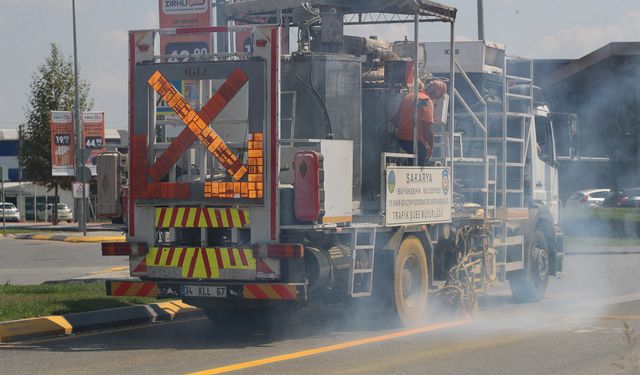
x=357 y=12
x=271 y=118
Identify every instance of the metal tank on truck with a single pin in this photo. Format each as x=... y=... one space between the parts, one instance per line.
x=285 y=184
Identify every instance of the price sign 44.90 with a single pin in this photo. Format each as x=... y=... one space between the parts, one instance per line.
x=93 y=142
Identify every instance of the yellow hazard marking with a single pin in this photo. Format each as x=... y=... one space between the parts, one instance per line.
x=166 y=217
x=331 y=348
x=166 y=257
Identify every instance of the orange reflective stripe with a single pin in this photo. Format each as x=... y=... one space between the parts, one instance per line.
x=252 y=188
x=198 y=125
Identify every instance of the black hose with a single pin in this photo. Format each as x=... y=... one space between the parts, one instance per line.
x=315 y=93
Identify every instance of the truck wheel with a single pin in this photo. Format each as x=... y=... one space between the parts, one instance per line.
x=410 y=285
x=530 y=284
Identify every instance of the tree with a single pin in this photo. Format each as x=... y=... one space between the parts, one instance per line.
x=52 y=89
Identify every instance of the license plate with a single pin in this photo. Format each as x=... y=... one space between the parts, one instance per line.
x=204 y=291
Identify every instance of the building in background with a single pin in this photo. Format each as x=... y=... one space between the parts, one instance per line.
x=603 y=89
x=9 y=146
x=24 y=194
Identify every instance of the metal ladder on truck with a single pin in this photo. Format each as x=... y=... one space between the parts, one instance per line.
x=363 y=241
x=510 y=132
x=475 y=168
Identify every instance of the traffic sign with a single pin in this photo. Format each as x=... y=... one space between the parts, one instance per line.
x=77 y=190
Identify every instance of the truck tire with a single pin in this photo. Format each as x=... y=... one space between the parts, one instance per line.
x=410 y=282
x=530 y=284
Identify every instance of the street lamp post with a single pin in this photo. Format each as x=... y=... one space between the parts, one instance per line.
x=79 y=154
x=480 y=20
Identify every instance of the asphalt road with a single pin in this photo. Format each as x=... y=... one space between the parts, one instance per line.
x=577 y=328
x=34 y=262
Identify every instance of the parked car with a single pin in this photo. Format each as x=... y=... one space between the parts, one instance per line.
x=64 y=213
x=9 y=211
x=633 y=198
x=622 y=198
x=587 y=198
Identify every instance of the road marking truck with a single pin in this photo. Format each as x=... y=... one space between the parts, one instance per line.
x=282 y=183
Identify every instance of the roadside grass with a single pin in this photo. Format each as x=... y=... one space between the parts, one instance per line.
x=29 y=301
x=622 y=214
x=16 y=230
x=579 y=241
x=614 y=223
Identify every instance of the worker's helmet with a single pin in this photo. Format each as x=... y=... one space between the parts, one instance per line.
x=436 y=89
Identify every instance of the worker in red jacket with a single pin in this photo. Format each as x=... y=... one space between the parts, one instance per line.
x=404 y=119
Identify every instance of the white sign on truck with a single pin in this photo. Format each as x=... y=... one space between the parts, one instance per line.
x=417 y=195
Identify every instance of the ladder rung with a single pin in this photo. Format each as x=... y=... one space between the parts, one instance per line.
x=363 y=294
x=513 y=266
x=514 y=139
x=468 y=160
x=365 y=247
x=518 y=78
x=510 y=114
x=518 y=96
x=509 y=241
x=363 y=270
x=473 y=190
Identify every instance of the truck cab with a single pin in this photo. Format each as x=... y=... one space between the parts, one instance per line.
x=544 y=163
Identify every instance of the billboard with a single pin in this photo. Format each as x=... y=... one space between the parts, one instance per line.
x=184 y=13
x=62 y=143
x=178 y=14
x=92 y=138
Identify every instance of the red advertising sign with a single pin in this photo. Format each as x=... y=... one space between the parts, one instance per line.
x=92 y=138
x=62 y=143
x=184 y=13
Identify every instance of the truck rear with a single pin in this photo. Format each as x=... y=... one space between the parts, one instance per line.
x=261 y=179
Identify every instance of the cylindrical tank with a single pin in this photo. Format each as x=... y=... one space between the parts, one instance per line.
x=328 y=270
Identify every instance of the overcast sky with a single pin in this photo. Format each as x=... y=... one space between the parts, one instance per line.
x=539 y=29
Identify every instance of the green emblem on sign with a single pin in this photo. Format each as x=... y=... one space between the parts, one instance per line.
x=391 y=181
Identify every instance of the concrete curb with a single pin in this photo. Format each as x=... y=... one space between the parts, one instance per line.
x=75 y=239
x=67 y=324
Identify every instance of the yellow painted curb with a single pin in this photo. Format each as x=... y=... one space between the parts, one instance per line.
x=95 y=239
x=176 y=307
x=41 y=237
x=28 y=328
x=17 y=330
